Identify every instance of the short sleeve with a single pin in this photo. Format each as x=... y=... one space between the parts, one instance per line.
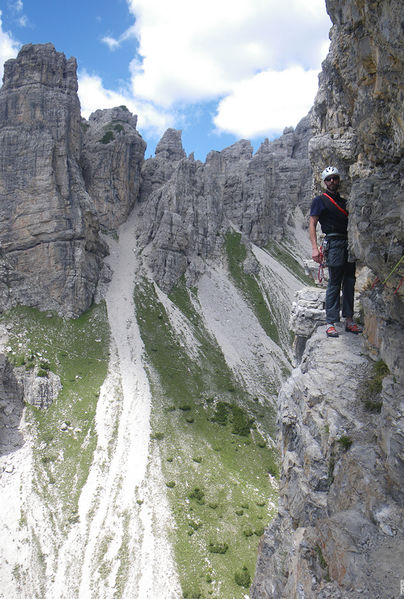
x=317 y=206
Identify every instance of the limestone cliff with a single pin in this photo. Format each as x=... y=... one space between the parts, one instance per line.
x=339 y=529
x=111 y=160
x=358 y=124
x=49 y=244
x=187 y=206
x=56 y=191
x=339 y=533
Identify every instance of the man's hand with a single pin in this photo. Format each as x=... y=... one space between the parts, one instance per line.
x=315 y=254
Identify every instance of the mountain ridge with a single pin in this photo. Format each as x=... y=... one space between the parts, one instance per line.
x=211 y=245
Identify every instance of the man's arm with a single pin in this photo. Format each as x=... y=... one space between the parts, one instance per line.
x=315 y=254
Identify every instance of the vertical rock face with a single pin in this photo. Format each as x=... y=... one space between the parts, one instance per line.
x=339 y=533
x=111 y=161
x=50 y=252
x=11 y=408
x=339 y=530
x=186 y=205
x=358 y=125
x=56 y=192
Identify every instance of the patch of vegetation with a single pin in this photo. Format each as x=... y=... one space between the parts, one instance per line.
x=248 y=285
x=198 y=495
x=78 y=352
x=107 y=137
x=221 y=413
x=321 y=560
x=230 y=469
x=371 y=388
x=241 y=422
x=345 y=442
x=218 y=548
x=243 y=578
x=284 y=257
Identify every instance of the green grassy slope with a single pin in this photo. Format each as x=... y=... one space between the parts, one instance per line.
x=215 y=464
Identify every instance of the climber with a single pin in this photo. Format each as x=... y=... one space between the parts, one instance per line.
x=330 y=209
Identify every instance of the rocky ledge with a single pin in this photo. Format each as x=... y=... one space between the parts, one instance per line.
x=339 y=531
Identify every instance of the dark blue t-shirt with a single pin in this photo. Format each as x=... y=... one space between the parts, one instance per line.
x=331 y=219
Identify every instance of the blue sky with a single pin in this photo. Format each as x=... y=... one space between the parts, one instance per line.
x=219 y=70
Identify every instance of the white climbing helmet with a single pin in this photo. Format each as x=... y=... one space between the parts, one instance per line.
x=328 y=171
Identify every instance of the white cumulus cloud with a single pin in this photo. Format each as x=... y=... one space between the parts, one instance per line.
x=198 y=50
x=93 y=95
x=267 y=102
x=8 y=46
x=232 y=50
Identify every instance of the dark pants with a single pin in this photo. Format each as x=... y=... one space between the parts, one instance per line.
x=341 y=275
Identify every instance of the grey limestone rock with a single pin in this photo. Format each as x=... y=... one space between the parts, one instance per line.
x=11 y=408
x=357 y=121
x=50 y=249
x=111 y=161
x=39 y=391
x=339 y=531
x=187 y=206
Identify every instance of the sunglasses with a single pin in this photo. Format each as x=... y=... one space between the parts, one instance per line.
x=336 y=178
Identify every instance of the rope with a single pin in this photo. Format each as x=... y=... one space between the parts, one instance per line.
x=399 y=285
x=320 y=275
x=377 y=280
x=387 y=278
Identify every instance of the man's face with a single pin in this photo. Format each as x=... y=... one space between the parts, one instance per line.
x=332 y=182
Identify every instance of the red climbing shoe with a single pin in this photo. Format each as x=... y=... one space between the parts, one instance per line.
x=331 y=331
x=352 y=327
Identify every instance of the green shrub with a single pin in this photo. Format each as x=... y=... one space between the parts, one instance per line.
x=221 y=413
x=170 y=484
x=19 y=361
x=372 y=387
x=198 y=495
x=241 y=422
x=158 y=436
x=107 y=137
x=242 y=578
x=248 y=532
x=43 y=373
x=218 y=547
x=345 y=442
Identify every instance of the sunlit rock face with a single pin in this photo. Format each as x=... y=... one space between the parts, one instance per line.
x=187 y=206
x=339 y=531
x=358 y=124
x=51 y=254
x=62 y=179
x=111 y=161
